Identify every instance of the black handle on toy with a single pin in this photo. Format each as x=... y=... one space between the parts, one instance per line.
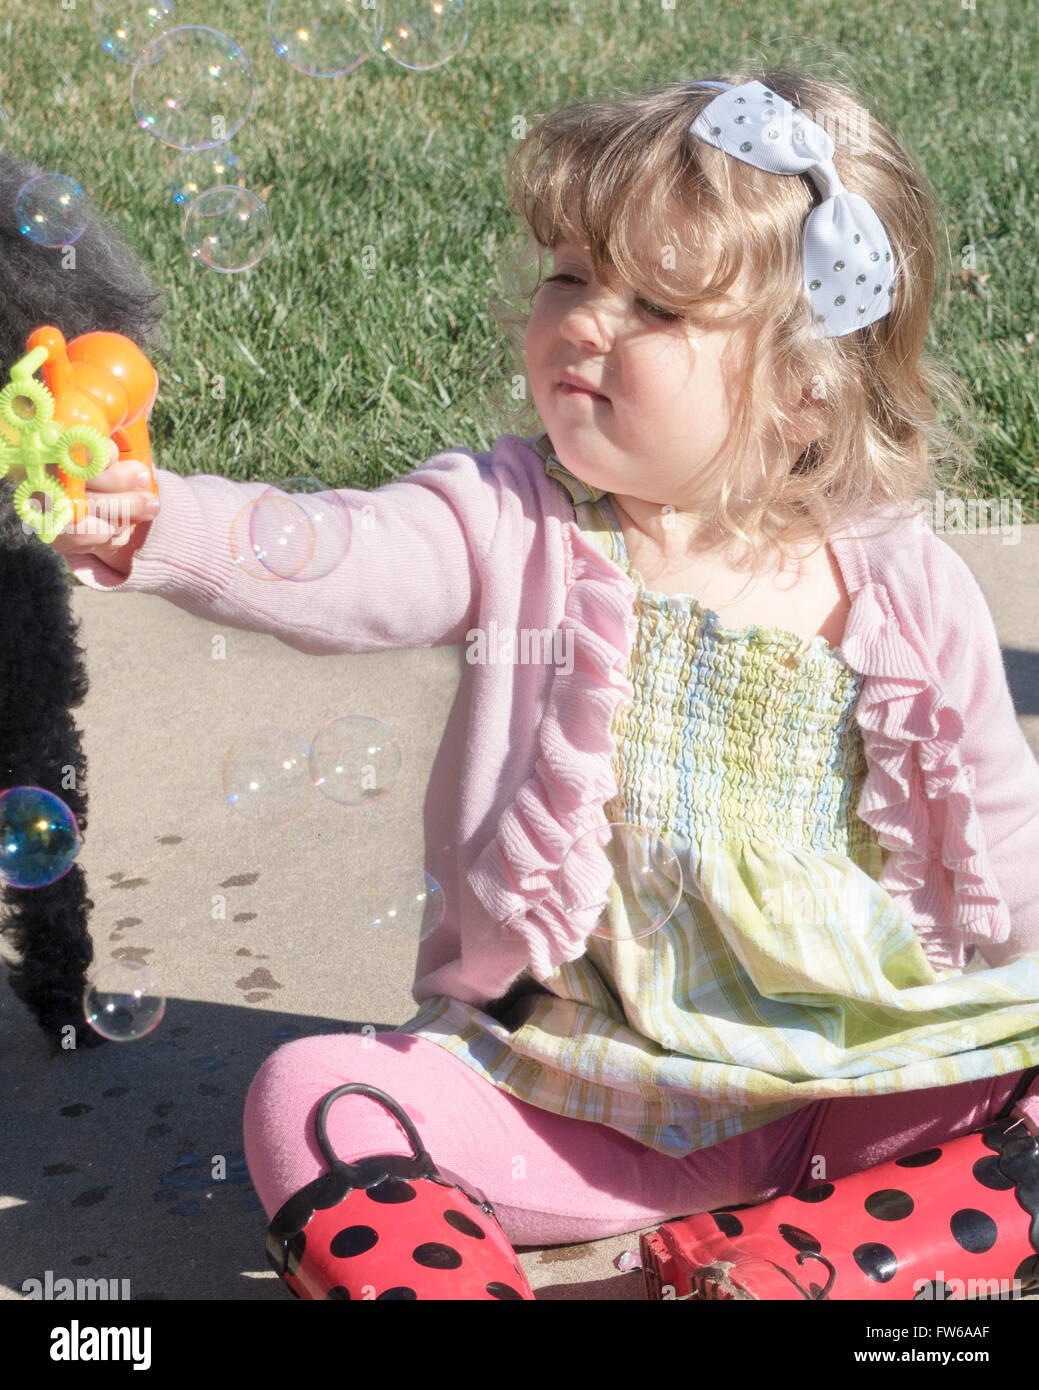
x=361 y=1088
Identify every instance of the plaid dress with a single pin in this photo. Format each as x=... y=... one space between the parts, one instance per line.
x=785 y=974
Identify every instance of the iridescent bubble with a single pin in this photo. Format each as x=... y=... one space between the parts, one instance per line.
x=228 y=229
x=323 y=38
x=248 y=551
x=354 y=759
x=635 y=870
x=51 y=210
x=39 y=837
x=282 y=537
x=298 y=530
x=192 y=88
x=267 y=776
x=406 y=901
x=295 y=549
x=124 y=28
x=123 y=1001
x=422 y=34
x=197 y=171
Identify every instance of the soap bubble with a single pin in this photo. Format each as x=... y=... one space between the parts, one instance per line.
x=422 y=34
x=51 y=210
x=197 y=171
x=633 y=868
x=407 y=901
x=299 y=530
x=192 y=88
x=123 y=1001
x=124 y=28
x=228 y=229
x=354 y=759
x=329 y=522
x=256 y=529
x=267 y=776
x=39 y=837
x=323 y=38
x=282 y=537
x=303 y=538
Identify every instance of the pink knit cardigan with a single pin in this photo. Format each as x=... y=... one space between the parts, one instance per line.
x=468 y=542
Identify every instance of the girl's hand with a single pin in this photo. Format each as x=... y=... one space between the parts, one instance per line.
x=120 y=510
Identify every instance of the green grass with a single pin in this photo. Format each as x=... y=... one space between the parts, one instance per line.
x=355 y=380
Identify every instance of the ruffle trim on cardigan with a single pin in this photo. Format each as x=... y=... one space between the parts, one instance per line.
x=915 y=781
x=517 y=876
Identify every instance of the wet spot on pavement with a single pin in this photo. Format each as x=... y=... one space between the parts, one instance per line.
x=135 y=953
x=91 y=1197
x=259 y=979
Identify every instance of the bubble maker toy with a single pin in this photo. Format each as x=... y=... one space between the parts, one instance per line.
x=55 y=433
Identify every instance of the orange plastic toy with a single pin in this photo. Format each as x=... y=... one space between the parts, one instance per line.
x=99 y=386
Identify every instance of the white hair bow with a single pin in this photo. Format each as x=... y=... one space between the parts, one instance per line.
x=848 y=265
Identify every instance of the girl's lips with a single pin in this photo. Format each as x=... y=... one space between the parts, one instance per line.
x=568 y=390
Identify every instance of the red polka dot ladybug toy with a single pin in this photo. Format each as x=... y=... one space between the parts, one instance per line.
x=956 y=1221
x=391 y=1226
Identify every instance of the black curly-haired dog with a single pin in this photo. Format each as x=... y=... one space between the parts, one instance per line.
x=42 y=675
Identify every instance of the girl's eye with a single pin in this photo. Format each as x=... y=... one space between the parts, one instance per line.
x=653 y=309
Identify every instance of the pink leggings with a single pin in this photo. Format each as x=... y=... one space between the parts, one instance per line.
x=558 y=1181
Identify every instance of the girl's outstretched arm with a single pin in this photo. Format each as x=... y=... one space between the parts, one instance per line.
x=410 y=576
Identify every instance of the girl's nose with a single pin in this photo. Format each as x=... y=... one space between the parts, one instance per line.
x=593 y=320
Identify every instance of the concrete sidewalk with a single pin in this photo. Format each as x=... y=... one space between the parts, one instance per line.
x=105 y=1159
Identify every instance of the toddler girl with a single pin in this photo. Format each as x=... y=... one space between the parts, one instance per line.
x=771 y=664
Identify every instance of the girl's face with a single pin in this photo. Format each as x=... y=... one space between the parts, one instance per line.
x=672 y=388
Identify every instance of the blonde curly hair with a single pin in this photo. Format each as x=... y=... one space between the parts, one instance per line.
x=600 y=172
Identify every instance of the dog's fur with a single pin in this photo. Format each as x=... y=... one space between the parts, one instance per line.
x=42 y=675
